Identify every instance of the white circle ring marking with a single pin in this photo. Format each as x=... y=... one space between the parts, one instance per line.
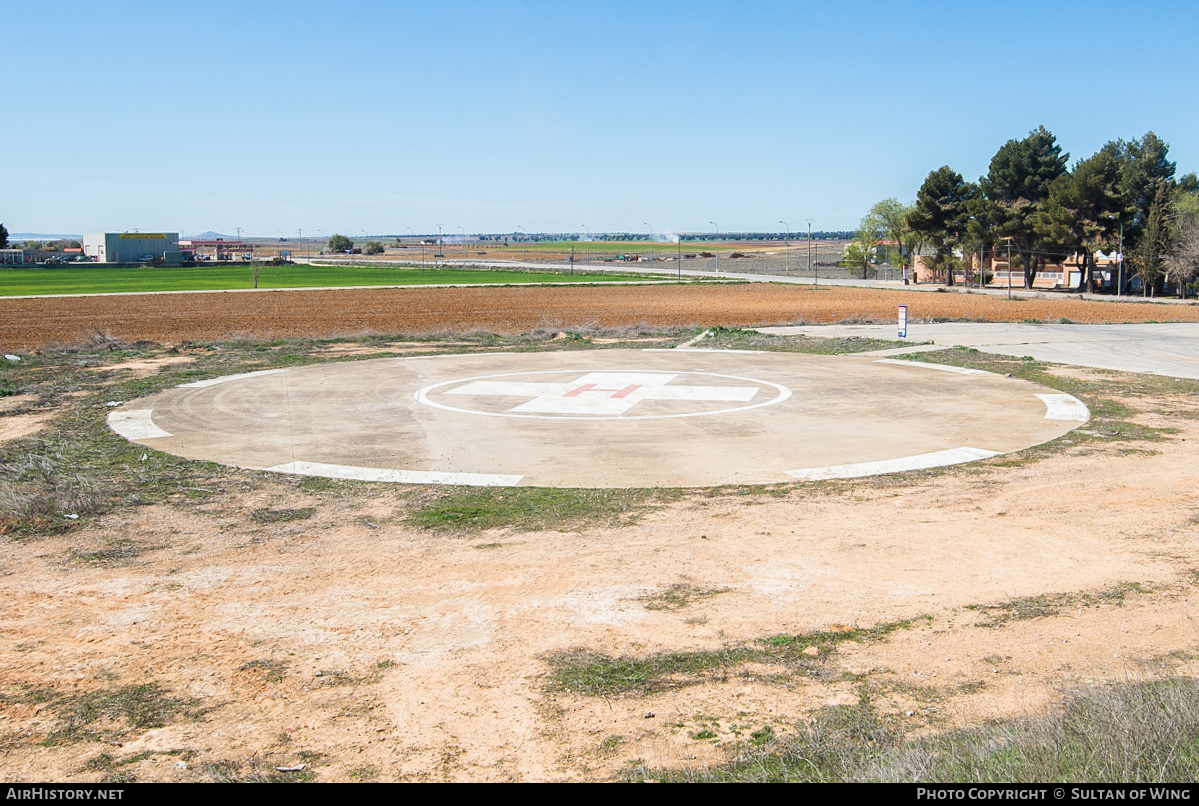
x=422 y=395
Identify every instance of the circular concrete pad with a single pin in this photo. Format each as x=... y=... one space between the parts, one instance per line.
x=601 y=418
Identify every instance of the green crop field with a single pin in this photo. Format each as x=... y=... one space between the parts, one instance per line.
x=92 y=278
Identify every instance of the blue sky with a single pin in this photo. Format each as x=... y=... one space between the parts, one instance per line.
x=492 y=116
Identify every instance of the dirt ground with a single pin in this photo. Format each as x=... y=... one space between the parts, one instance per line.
x=33 y=323
x=269 y=627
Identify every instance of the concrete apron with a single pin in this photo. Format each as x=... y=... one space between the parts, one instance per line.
x=601 y=418
x=1168 y=348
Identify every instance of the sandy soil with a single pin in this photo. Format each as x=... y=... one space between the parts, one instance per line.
x=27 y=324
x=366 y=649
x=22 y=425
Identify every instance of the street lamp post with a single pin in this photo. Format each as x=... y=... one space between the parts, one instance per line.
x=787 y=248
x=412 y=235
x=588 y=246
x=716 y=245
x=815 y=271
x=651 y=246
x=464 y=258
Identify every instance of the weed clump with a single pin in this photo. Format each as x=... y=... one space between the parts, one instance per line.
x=582 y=671
x=1143 y=733
x=533 y=508
x=114 y=713
x=735 y=338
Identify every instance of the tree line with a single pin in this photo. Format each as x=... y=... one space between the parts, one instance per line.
x=1124 y=198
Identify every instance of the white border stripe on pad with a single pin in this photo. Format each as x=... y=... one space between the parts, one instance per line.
x=682 y=349
x=921 y=461
x=1065 y=407
x=442 y=355
x=227 y=378
x=401 y=476
x=135 y=424
x=928 y=365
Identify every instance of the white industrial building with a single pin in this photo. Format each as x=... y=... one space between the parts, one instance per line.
x=129 y=247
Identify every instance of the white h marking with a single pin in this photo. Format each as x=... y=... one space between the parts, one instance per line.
x=603 y=393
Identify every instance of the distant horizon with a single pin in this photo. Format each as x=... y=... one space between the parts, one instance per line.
x=794 y=235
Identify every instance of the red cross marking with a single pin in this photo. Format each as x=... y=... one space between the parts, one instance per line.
x=591 y=387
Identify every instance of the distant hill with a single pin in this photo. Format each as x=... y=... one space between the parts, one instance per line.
x=41 y=236
x=208 y=236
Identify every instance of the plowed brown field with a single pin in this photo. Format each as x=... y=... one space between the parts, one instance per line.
x=33 y=323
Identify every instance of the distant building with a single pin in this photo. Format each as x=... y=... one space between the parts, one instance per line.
x=12 y=256
x=218 y=249
x=129 y=247
x=1066 y=272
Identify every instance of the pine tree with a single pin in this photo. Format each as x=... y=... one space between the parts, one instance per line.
x=1018 y=183
x=942 y=214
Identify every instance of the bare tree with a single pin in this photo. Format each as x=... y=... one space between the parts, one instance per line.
x=1182 y=261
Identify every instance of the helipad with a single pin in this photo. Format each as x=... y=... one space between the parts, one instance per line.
x=602 y=418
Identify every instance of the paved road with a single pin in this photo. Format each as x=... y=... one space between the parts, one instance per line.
x=670 y=272
x=1160 y=349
